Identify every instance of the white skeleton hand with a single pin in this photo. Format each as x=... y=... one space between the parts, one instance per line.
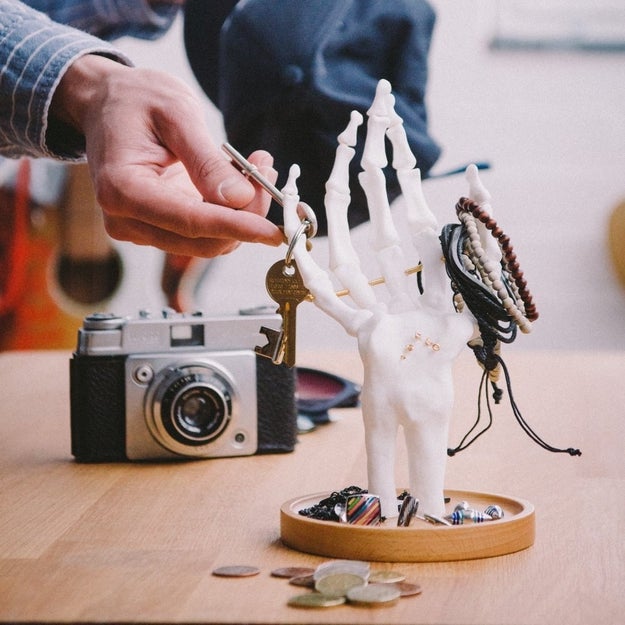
x=407 y=344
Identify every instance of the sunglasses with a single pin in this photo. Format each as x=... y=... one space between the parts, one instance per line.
x=319 y=391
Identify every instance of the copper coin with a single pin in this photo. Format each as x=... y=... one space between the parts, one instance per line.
x=406 y=589
x=292 y=571
x=236 y=571
x=306 y=581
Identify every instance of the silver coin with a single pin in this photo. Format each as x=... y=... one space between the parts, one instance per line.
x=315 y=600
x=338 y=584
x=374 y=594
x=236 y=571
x=331 y=567
x=386 y=577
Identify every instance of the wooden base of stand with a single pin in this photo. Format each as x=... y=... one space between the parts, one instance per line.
x=421 y=541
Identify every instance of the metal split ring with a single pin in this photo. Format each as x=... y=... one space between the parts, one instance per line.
x=310 y=219
x=303 y=229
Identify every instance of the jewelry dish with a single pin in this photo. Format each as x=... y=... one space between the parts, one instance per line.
x=421 y=541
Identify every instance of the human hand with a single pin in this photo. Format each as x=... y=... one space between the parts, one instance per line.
x=158 y=177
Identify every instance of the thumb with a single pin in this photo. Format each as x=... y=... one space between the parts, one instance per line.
x=213 y=175
x=217 y=179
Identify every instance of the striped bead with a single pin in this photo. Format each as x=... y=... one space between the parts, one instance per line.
x=494 y=512
x=478 y=517
x=456 y=517
x=363 y=510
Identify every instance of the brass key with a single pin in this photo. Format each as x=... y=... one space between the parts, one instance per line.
x=285 y=286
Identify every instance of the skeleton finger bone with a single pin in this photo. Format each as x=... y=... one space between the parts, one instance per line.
x=421 y=221
x=385 y=239
x=344 y=261
x=418 y=212
x=316 y=279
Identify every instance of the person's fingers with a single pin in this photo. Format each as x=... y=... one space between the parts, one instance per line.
x=141 y=233
x=200 y=221
x=262 y=200
x=144 y=196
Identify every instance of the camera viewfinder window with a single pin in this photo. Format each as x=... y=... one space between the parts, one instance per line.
x=187 y=335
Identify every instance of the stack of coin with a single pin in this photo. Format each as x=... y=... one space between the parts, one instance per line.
x=333 y=567
x=339 y=581
x=335 y=578
x=336 y=582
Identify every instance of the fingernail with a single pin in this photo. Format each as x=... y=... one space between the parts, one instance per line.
x=235 y=190
x=266 y=160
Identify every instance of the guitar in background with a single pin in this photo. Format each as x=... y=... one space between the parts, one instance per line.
x=56 y=262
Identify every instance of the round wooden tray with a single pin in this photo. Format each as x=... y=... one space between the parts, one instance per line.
x=421 y=541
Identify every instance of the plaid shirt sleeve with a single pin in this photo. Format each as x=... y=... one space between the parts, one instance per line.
x=110 y=19
x=35 y=52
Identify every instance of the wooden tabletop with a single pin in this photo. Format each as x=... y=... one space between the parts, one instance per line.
x=139 y=542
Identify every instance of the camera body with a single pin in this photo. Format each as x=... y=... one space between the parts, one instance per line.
x=177 y=386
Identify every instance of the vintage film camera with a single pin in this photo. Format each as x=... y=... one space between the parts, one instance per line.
x=177 y=386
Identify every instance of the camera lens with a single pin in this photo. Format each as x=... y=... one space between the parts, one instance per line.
x=192 y=407
x=199 y=412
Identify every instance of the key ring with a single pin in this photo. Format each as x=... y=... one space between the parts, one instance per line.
x=308 y=218
x=303 y=228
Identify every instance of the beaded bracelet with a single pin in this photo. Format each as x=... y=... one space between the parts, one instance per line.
x=509 y=262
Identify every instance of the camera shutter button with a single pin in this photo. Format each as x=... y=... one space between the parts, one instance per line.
x=143 y=374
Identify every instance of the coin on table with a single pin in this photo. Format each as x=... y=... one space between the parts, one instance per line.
x=386 y=577
x=236 y=571
x=337 y=584
x=374 y=594
x=342 y=566
x=315 y=600
x=407 y=589
x=292 y=571
x=306 y=581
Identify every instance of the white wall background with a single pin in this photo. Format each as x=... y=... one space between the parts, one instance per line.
x=551 y=124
